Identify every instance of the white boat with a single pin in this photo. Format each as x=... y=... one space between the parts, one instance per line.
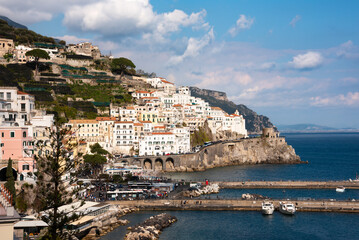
x=287 y=208
x=267 y=208
x=340 y=189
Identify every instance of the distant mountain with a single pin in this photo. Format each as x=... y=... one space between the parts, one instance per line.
x=254 y=122
x=304 y=128
x=12 y=23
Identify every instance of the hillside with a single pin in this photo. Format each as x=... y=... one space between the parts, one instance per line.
x=12 y=23
x=254 y=122
x=305 y=128
x=65 y=94
x=21 y=35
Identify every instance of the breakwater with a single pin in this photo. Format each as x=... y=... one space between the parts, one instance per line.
x=238 y=205
x=290 y=184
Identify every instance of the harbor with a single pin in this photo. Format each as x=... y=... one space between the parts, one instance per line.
x=238 y=205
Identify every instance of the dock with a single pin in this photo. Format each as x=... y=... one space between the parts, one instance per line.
x=237 y=205
x=290 y=184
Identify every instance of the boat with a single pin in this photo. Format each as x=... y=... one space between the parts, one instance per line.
x=267 y=208
x=287 y=208
x=340 y=189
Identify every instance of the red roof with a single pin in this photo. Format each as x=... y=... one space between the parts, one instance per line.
x=177 y=105
x=124 y=122
x=22 y=93
x=159 y=126
x=165 y=81
x=141 y=91
x=106 y=119
x=138 y=124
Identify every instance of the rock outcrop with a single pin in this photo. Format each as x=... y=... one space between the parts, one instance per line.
x=151 y=228
x=254 y=122
x=209 y=189
x=245 y=151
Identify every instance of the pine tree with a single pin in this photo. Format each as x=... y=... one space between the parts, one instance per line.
x=56 y=174
x=10 y=181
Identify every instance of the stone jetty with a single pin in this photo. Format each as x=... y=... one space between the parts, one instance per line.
x=244 y=205
x=151 y=228
x=290 y=184
x=209 y=189
x=107 y=222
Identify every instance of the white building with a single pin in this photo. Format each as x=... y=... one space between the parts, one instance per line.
x=15 y=107
x=156 y=144
x=123 y=137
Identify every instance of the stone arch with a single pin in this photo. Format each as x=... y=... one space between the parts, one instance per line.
x=136 y=162
x=147 y=164
x=170 y=164
x=158 y=164
x=3 y=174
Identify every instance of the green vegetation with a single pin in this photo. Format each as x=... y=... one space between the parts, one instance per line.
x=10 y=180
x=122 y=66
x=56 y=171
x=38 y=54
x=199 y=137
x=96 y=159
x=22 y=36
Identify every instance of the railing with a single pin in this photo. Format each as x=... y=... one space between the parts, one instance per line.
x=5 y=197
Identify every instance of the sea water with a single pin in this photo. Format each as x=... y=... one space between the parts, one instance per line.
x=331 y=156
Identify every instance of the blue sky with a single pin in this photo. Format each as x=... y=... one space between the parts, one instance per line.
x=294 y=61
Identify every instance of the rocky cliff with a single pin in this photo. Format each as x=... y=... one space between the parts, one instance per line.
x=254 y=122
x=245 y=151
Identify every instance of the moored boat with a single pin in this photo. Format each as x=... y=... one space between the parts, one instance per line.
x=340 y=189
x=267 y=208
x=287 y=208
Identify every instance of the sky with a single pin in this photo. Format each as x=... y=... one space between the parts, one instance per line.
x=293 y=61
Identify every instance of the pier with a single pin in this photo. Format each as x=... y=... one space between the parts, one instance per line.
x=290 y=184
x=238 y=205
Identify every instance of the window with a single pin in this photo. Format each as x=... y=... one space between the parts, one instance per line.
x=2 y=134
x=24 y=134
x=12 y=134
x=8 y=96
x=1 y=95
x=26 y=167
x=22 y=97
x=24 y=143
x=22 y=106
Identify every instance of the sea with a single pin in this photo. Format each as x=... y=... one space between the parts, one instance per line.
x=330 y=156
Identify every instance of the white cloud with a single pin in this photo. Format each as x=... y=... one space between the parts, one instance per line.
x=130 y=18
x=307 y=61
x=295 y=20
x=72 y=39
x=348 y=50
x=242 y=23
x=33 y=11
x=194 y=47
x=350 y=99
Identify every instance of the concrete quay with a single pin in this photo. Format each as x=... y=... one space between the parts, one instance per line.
x=290 y=184
x=237 y=205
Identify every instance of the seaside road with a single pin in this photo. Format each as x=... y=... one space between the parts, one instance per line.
x=290 y=184
x=230 y=204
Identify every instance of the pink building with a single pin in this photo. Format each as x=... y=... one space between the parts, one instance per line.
x=16 y=144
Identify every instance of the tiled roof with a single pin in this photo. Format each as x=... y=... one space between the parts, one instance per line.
x=165 y=81
x=106 y=119
x=123 y=122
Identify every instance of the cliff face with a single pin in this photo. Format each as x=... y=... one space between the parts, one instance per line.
x=246 y=151
x=254 y=122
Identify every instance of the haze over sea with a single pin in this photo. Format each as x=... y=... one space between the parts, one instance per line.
x=331 y=156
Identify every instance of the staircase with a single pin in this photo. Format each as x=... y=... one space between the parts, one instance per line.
x=6 y=207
